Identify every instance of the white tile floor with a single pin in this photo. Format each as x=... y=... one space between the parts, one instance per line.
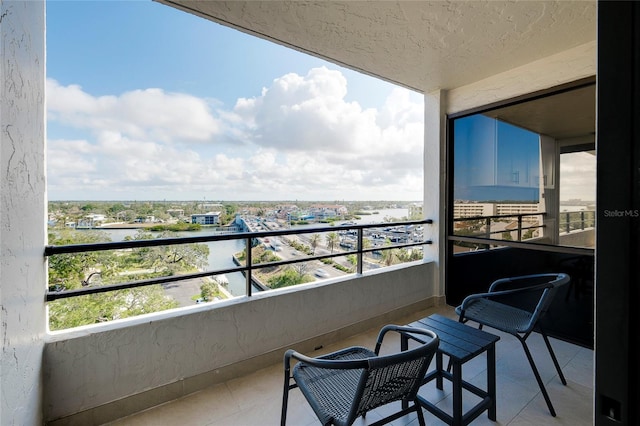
x=256 y=399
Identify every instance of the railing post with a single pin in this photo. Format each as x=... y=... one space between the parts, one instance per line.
x=359 y=255
x=249 y=262
x=519 y=227
x=488 y=228
x=582 y=220
x=568 y=222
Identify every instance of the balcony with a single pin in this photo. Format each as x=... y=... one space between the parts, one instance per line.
x=128 y=365
x=256 y=397
x=136 y=364
x=184 y=364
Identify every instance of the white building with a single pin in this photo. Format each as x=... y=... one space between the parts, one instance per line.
x=210 y=218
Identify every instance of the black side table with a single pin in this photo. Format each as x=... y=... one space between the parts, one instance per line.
x=460 y=343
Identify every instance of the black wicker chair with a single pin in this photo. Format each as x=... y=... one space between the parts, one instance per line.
x=346 y=384
x=496 y=309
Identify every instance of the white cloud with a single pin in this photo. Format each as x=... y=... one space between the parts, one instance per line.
x=298 y=139
x=578 y=176
x=150 y=113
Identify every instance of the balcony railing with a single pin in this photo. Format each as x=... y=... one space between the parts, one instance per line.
x=577 y=220
x=483 y=227
x=478 y=232
x=247 y=268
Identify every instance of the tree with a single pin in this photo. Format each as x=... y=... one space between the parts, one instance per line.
x=388 y=257
x=88 y=207
x=314 y=240
x=95 y=308
x=70 y=271
x=287 y=278
x=209 y=290
x=230 y=209
x=300 y=268
x=408 y=255
x=171 y=259
x=332 y=239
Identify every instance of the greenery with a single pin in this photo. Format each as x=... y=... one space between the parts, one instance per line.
x=342 y=268
x=74 y=271
x=314 y=240
x=210 y=291
x=287 y=278
x=300 y=247
x=95 y=308
x=259 y=254
x=176 y=227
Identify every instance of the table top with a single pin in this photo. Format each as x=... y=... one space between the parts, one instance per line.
x=457 y=340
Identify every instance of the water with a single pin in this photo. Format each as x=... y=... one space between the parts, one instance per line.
x=220 y=252
x=394 y=215
x=377 y=216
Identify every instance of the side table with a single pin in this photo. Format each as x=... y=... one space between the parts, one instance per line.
x=460 y=343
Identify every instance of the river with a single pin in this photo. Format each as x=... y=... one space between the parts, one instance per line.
x=220 y=252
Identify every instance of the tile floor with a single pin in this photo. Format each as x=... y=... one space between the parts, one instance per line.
x=256 y=399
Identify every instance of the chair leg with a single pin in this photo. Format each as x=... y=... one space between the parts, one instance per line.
x=553 y=357
x=285 y=400
x=419 y=412
x=538 y=378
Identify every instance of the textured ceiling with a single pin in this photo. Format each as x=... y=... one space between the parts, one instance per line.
x=564 y=115
x=423 y=45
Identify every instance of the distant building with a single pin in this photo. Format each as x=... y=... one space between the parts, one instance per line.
x=473 y=209
x=91 y=220
x=324 y=211
x=211 y=218
x=495 y=209
x=285 y=211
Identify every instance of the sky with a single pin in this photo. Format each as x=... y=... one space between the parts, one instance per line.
x=145 y=102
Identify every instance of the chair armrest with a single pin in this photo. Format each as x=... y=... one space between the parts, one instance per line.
x=551 y=279
x=320 y=362
x=493 y=294
x=402 y=329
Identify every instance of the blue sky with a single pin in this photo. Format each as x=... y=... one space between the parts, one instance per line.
x=148 y=102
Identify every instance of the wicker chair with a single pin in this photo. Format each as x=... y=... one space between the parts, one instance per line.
x=496 y=309
x=346 y=384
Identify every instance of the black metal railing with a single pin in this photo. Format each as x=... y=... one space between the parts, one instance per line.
x=246 y=269
x=479 y=235
x=485 y=222
x=577 y=220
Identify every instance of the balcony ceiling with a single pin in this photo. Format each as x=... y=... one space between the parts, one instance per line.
x=421 y=45
x=566 y=115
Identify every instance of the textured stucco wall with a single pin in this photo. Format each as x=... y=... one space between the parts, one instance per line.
x=111 y=362
x=22 y=210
